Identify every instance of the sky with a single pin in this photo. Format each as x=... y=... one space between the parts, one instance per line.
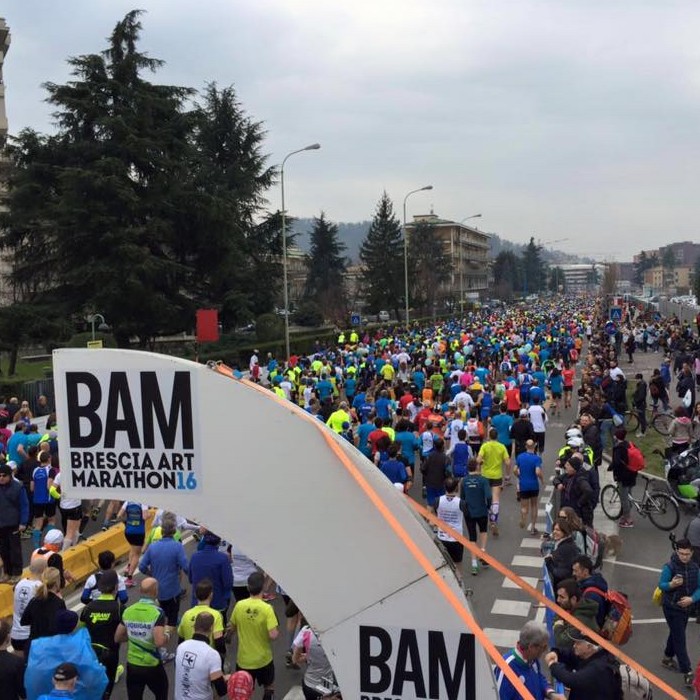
x=558 y=119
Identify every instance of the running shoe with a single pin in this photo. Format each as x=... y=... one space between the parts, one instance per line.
x=689 y=678
x=669 y=662
x=475 y=570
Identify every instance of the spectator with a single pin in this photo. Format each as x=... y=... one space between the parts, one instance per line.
x=639 y=403
x=625 y=478
x=680 y=584
x=680 y=432
x=569 y=598
x=11 y=667
x=577 y=491
x=524 y=660
x=14 y=515
x=560 y=562
x=588 y=670
x=592 y=584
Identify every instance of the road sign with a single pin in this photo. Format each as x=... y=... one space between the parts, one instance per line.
x=355 y=319
x=610 y=328
x=94 y=344
x=616 y=313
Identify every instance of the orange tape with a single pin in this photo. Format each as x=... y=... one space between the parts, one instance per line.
x=474 y=549
x=401 y=533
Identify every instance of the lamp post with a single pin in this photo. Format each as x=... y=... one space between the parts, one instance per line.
x=312 y=147
x=405 y=246
x=103 y=324
x=461 y=266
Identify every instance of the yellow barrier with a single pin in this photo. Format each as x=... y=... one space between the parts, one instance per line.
x=112 y=539
x=6 y=600
x=78 y=561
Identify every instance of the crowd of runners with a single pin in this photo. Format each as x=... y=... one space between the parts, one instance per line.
x=455 y=412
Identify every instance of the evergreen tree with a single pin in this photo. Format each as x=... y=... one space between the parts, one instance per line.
x=429 y=266
x=140 y=207
x=382 y=257
x=507 y=274
x=325 y=284
x=534 y=273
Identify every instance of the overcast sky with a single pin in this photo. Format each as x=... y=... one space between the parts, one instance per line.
x=572 y=119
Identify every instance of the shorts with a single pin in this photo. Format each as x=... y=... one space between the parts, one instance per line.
x=472 y=523
x=264 y=676
x=556 y=394
x=171 y=608
x=524 y=495
x=432 y=494
x=495 y=482
x=44 y=510
x=455 y=550
x=134 y=539
x=568 y=389
x=72 y=513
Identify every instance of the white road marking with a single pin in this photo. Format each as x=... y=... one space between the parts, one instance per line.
x=522 y=560
x=517 y=608
x=501 y=637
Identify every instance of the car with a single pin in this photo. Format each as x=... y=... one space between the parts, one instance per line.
x=383 y=316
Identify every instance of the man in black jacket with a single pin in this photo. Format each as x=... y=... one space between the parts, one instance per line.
x=591 y=436
x=14 y=515
x=625 y=478
x=578 y=492
x=639 y=403
x=589 y=671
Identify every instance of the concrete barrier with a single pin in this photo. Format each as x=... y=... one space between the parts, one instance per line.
x=7 y=593
x=112 y=539
x=78 y=560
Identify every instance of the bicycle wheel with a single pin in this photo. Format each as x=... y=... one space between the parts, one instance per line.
x=631 y=421
x=610 y=502
x=662 y=511
x=662 y=423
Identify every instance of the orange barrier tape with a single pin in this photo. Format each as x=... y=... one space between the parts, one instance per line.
x=442 y=586
x=474 y=549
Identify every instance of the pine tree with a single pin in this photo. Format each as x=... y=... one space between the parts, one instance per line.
x=382 y=257
x=534 y=272
x=324 y=284
x=507 y=274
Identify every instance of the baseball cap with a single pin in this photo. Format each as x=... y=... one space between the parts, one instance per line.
x=575 y=635
x=54 y=536
x=65 y=671
x=523 y=412
x=12 y=464
x=240 y=686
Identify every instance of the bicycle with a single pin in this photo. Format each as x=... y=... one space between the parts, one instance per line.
x=660 y=421
x=661 y=508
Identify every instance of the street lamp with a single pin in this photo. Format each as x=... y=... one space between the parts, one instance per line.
x=461 y=267
x=103 y=324
x=312 y=147
x=405 y=246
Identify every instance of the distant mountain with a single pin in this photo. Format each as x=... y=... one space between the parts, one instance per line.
x=352 y=234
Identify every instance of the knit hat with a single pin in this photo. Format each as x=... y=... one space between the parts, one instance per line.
x=620 y=433
x=53 y=536
x=66 y=621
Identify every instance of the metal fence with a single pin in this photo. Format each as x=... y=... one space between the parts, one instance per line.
x=682 y=311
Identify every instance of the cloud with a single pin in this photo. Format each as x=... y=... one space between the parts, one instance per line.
x=551 y=118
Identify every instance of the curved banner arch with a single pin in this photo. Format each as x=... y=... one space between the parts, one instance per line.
x=298 y=499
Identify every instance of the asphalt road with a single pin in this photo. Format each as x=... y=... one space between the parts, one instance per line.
x=502 y=609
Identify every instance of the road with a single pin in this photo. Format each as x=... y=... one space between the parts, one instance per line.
x=501 y=608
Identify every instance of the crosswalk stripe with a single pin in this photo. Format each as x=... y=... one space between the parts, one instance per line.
x=523 y=560
x=531 y=543
x=501 y=637
x=532 y=580
x=516 y=608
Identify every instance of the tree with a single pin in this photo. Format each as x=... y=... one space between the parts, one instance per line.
x=507 y=274
x=610 y=278
x=534 y=274
x=325 y=284
x=668 y=263
x=141 y=207
x=428 y=266
x=382 y=257
x=557 y=280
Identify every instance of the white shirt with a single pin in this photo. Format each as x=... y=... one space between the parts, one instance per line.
x=464 y=398
x=538 y=418
x=25 y=590
x=448 y=511
x=195 y=662
x=456 y=424
x=66 y=503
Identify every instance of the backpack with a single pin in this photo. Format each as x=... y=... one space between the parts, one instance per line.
x=635 y=458
x=634 y=685
x=617 y=626
x=594 y=546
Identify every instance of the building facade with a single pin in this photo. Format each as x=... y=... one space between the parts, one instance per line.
x=468 y=251
x=677 y=280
